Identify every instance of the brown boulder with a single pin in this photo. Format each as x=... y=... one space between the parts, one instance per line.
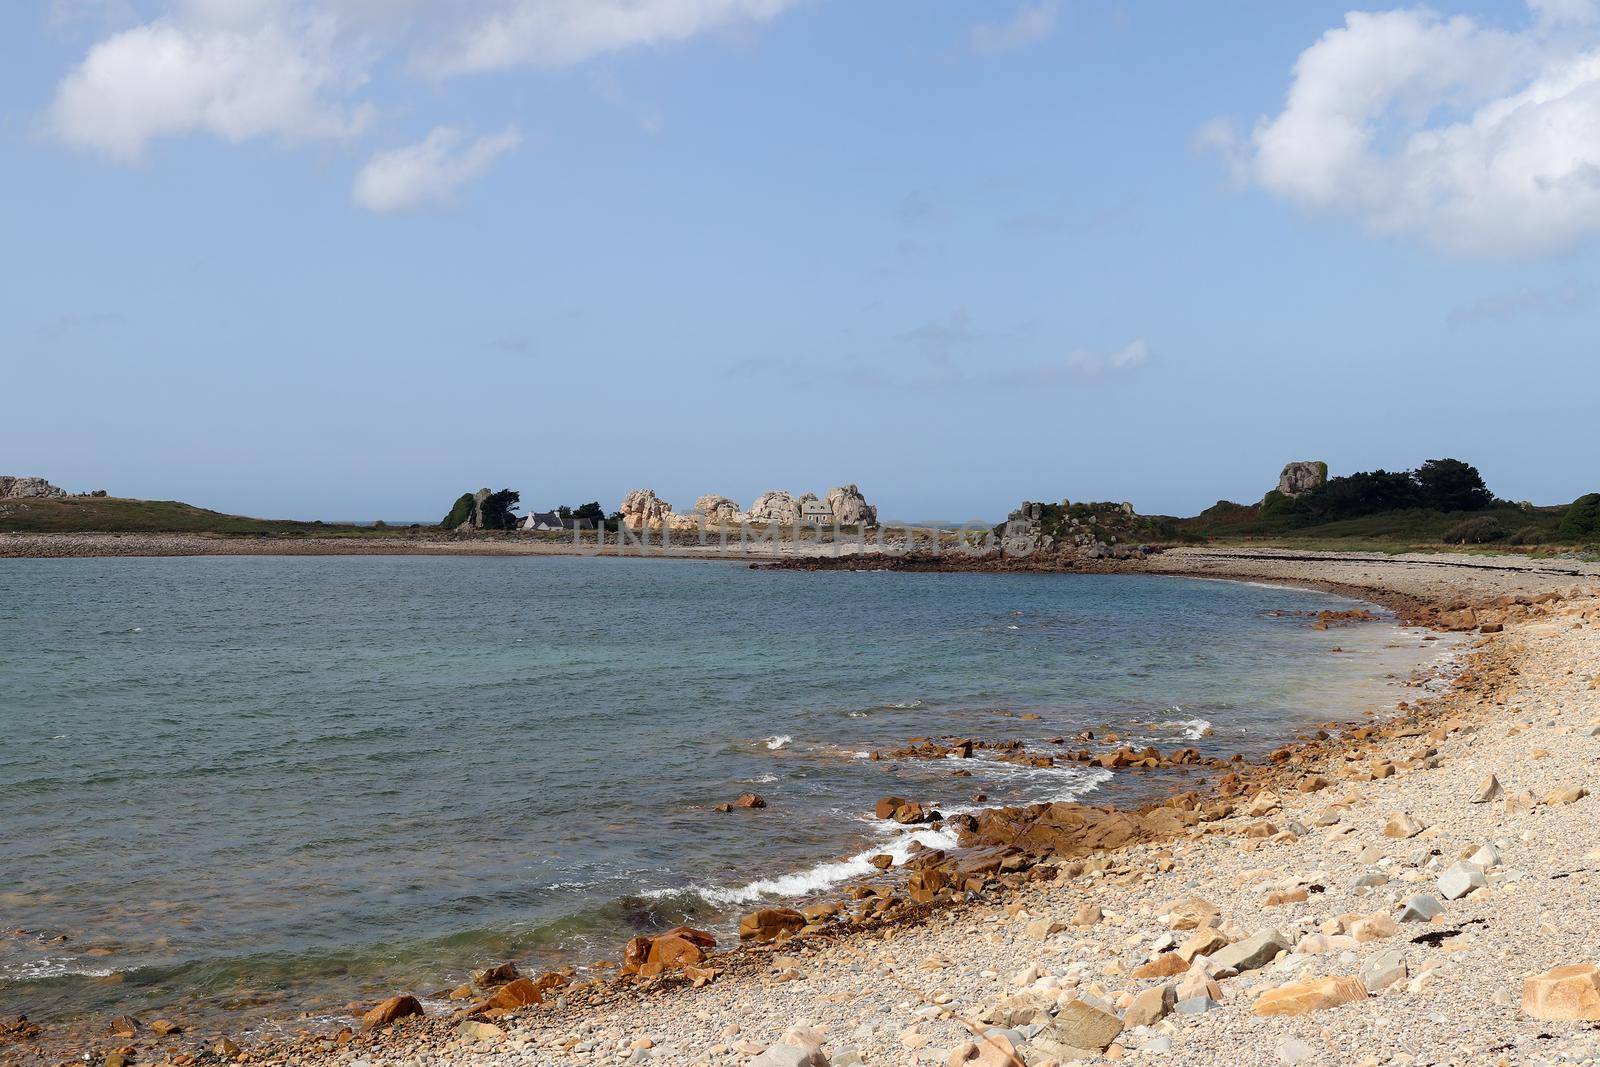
x=1298 y=998
x=750 y=800
x=768 y=924
x=678 y=947
x=391 y=1010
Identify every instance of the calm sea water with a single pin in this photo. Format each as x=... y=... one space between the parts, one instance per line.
x=279 y=783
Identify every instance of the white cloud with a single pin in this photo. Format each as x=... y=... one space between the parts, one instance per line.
x=233 y=78
x=1087 y=364
x=242 y=69
x=1032 y=22
x=1475 y=138
x=554 y=33
x=429 y=172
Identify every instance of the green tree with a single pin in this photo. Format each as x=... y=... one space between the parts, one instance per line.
x=498 y=510
x=591 y=512
x=1451 y=485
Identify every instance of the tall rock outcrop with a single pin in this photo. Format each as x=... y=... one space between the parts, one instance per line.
x=718 y=510
x=850 y=508
x=27 y=489
x=775 y=508
x=1302 y=476
x=642 y=509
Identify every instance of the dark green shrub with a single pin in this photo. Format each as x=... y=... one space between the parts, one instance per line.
x=498 y=510
x=1528 y=535
x=1582 y=520
x=1479 y=531
x=460 y=512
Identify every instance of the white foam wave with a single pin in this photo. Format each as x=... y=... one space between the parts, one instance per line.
x=52 y=967
x=905 y=705
x=1193 y=729
x=778 y=741
x=762 y=779
x=815 y=879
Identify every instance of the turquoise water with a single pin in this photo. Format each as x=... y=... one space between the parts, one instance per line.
x=275 y=783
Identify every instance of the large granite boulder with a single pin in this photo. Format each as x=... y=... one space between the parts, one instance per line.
x=1302 y=476
x=775 y=508
x=27 y=489
x=642 y=509
x=718 y=510
x=850 y=508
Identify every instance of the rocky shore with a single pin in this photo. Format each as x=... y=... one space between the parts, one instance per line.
x=1417 y=888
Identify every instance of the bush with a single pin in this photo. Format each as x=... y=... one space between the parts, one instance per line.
x=460 y=512
x=1451 y=485
x=1528 y=535
x=1479 y=531
x=498 y=510
x=1582 y=520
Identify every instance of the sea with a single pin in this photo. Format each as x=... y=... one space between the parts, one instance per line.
x=257 y=787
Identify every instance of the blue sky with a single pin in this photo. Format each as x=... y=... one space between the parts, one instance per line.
x=310 y=258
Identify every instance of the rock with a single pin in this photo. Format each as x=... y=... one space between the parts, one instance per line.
x=27 y=489
x=1401 y=825
x=1257 y=950
x=391 y=1010
x=997 y=1049
x=1203 y=942
x=499 y=974
x=1520 y=803
x=1088 y=914
x=1317 y=994
x=1459 y=879
x=1419 y=908
x=1190 y=913
x=775 y=508
x=641 y=509
x=1383 y=970
x=1568 y=795
x=883 y=861
x=1151 y=1006
x=124 y=1026
x=887 y=806
x=1084 y=1025
x=718 y=510
x=165 y=1028
x=787 y=1055
x=850 y=508
x=750 y=800
x=1165 y=965
x=1264 y=803
x=768 y=924
x=1486 y=856
x=1373 y=927
x=1302 y=476
x=682 y=946
x=1291 y=1050
x=519 y=993
x=479 y=1031
x=1563 y=994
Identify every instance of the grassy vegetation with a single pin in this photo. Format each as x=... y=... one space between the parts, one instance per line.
x=1501 y=527
x=117 y=515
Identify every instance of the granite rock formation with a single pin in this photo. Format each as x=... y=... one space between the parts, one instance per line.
x=718 y=510
x=642 y=509
x=27 y=489
x=1302 y=476
x=850 y=508
x=775 y=508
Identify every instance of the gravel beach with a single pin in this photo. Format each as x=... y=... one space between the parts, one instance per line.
x=1368 y=896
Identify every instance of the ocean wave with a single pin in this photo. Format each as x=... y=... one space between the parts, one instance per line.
x=823 y=875
x=778 y=741
x=1193 y=729
x=52 y=967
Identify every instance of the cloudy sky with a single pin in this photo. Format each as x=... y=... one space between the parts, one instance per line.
x=348 y=258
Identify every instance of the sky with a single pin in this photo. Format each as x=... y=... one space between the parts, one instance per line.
x=346 y=259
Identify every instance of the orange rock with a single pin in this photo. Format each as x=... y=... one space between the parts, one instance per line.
x=1163 y=966
x=391 y=1010
x=1318 y=994
x=768 y=923
x=1563 y=994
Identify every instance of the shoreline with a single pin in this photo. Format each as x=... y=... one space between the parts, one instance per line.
x=743 y=969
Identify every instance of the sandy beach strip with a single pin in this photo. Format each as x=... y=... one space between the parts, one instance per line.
x=1297 y=901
